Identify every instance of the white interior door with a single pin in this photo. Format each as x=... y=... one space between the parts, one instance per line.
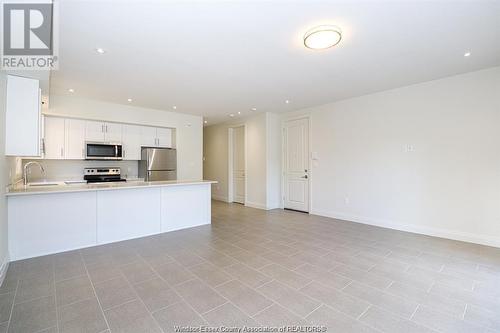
x=239 y=164
x=296 y=164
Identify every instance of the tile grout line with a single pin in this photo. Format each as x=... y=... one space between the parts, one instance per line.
x=414 y=312
x=93 y=290
x=366 y=310
x=13 y=304
x=55 y=297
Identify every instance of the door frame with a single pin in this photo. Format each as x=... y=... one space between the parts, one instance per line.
x=230 y=150
x=283 y=159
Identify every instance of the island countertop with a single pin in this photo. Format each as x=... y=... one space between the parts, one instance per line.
x=62 y=187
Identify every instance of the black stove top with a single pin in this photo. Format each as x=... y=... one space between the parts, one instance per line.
x=102 y=175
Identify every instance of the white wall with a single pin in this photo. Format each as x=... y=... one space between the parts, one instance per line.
x=189 y=128
x=4 y=179
x=447 y=185
x=259 y=135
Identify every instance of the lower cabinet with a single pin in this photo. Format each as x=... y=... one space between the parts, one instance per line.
x=50 y=223
x=185 y=206
x=41 y=224
x=126 y=214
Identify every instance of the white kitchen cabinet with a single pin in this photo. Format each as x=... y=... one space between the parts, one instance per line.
x=94 y=131
x=164 y=136
x=46 y=223
x=98 y=131
x=131 y=142
x=138 y=214
x=148 y=136
x=156 y=137
x=23 y=117
x=53 y=140
x=185 y=206
x=113 y=132
x=74 y=139
x=50 y=223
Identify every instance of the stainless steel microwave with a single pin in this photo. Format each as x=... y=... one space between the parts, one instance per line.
x=103 y=151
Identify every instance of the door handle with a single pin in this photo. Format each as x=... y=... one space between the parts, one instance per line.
x=305 y=177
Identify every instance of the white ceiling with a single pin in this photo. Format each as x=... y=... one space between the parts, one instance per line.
x=213 y=58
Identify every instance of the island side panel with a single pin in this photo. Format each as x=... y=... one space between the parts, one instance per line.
x=127 y=213
x=50 y=223
x=185 y=206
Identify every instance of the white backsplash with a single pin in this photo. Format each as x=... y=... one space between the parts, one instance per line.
x=73 y=169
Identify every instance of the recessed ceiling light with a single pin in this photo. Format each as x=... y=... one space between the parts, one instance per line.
x=231 y=115
x=287 y=101
x=129 y=100
x=322 y=37
x=206 y=122
x=253 y=109
x=239 y=112
x=467 y=54
x=174 y=107
x=100 y=50
x=71 y=90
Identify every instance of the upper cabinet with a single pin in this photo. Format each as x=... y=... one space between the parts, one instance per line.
x=156 y=137
x=164 y=136
x=74 y=130
x=53 y=141
x=23 y=117
x=131 y=142
x=98 y=131
x=65 y=138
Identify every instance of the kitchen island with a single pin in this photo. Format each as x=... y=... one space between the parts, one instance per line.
x=62 y=217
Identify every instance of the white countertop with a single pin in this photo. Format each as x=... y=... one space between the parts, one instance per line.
x=62 y=187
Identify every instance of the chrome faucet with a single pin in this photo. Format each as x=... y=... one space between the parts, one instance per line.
x=26 y=169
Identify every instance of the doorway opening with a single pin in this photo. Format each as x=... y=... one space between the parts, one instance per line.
x=237 y=165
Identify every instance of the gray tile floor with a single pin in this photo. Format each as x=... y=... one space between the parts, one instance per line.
x=253 y=268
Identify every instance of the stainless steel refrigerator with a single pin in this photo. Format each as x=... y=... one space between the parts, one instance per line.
x=158 y=164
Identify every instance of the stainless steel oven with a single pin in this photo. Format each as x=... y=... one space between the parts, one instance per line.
x=103 y=151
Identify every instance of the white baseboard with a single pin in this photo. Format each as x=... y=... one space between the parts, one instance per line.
x=4 y=268
x=274 y=205
x=255 y=205
x=220 y=198
x=436 y=232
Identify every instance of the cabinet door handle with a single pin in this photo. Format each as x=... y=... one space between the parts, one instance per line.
x=106 y=128
x=62 y=152
x=102 y=128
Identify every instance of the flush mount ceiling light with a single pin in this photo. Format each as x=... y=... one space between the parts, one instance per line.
x=253 y=109
x=129 y=100
x=467 y=54
x=287 y=101
x=100 y=50
x=174 y=107
x=206 y=122
x=322 y=37
x=71 y=90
